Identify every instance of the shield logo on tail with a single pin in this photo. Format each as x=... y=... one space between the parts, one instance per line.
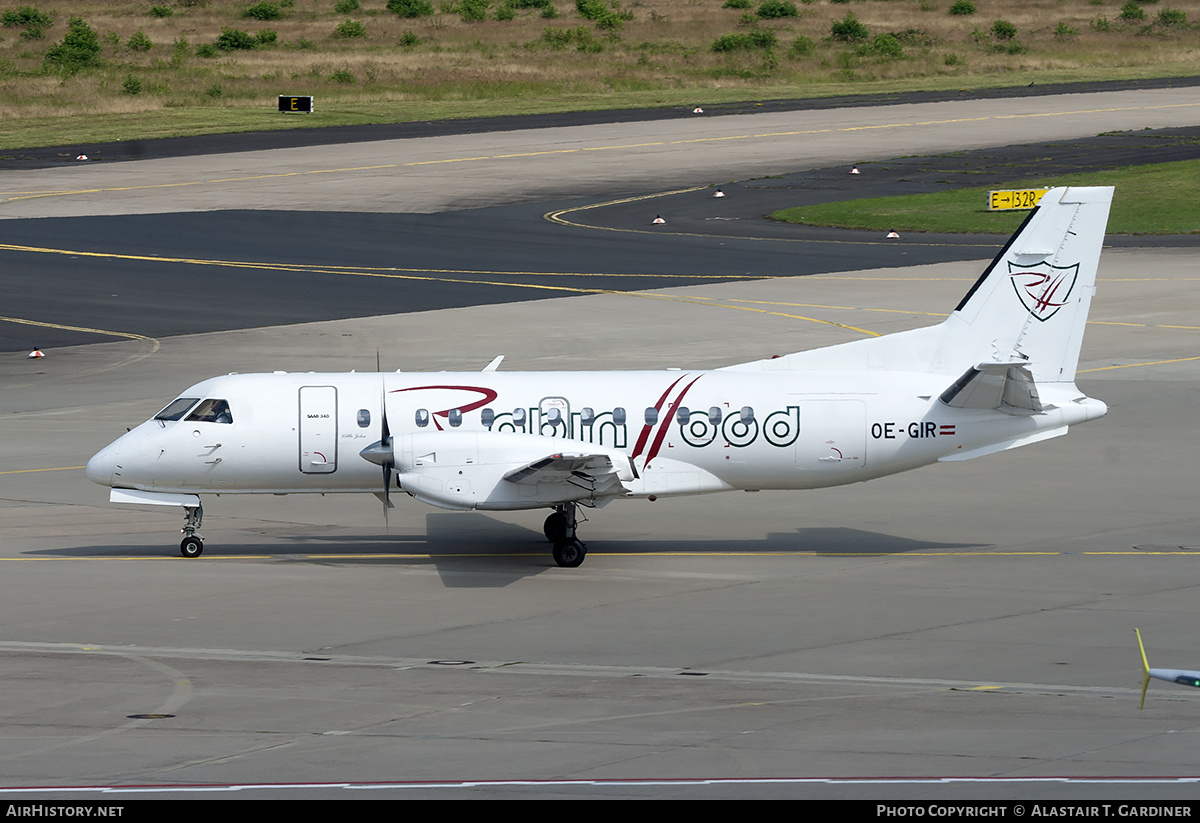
x=1043 y=289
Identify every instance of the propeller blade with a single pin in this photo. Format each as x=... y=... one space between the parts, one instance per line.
x=390 y=461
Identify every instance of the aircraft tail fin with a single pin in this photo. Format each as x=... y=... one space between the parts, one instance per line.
x=1021 y=324
x=1031 y=304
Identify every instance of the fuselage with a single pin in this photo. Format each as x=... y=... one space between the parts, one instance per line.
x=682 y=432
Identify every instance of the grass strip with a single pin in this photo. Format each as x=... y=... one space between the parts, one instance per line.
x=1162 y=198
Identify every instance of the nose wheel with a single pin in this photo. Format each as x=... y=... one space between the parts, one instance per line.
x=192 y=544
x=559 y=529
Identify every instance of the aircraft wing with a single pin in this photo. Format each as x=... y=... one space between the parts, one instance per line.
x=595 y=473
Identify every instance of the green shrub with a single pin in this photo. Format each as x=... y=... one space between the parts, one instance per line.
x=473 y=11
x=206 y=50
x=343 y=76
x=505 y=12
x=1131 y=12
x=138 y=41
x=757 y=39
x=1062 y=31
x=801 y=47
x=549 y=13
x=962 y=7
x=737 y=4
x=409 y=39
x=953 y=59
x=581 y=36
x=1102 y=23
x=350 y=28
x=234 y=40
x=1003 y=30
x=410 y=8
x=731 y=42
x=1169 y=17
x=528 y=4
x=773 y=9
x=887 y=45
x=266 y=37
x=346 y=6
x=848 y=29
x=79 y=48
x=161 y=11
x=26 y=15
x=214 y=91
x=603 y=16
x=264 y=11
x=131 y=85
x=33 y=22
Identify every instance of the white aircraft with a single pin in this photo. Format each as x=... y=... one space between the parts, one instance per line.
x=997 y=374
x=1184 y=677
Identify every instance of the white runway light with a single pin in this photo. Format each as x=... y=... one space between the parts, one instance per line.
x=658 y=220
x=35 y=354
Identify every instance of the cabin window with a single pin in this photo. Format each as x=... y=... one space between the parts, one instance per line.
x=683 y=415
x=651 y=415
x=619 y=416
x=487 y=417
x=747 y=415
x=364 y=418
x=519 y=417
x=177 y=408
x=587 y=415
x=211 y=411
x=422 y=418
x=714 y=415
x=553 y=416
x=455 y=417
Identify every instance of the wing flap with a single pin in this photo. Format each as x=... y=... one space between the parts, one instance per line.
x=596 y=474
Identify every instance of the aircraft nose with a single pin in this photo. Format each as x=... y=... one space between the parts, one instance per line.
x=100 y=468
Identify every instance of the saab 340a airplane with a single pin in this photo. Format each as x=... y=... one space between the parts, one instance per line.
x=997 y=374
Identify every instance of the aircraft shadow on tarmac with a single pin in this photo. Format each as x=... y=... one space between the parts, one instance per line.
x=470 y=541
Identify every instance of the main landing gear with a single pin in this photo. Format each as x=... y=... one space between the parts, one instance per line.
x=192 y=544
x=560 y=530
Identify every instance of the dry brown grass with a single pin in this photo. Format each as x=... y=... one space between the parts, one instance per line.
x=663 y=53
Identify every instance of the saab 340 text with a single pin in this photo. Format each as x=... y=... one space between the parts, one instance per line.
x=997 y=374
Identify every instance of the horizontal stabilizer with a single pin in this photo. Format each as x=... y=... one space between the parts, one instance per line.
x=1015 y=443
x=1007 y=386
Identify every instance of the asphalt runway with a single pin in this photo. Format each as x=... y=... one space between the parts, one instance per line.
x=971 y=621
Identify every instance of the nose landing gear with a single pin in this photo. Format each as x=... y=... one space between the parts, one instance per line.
x=559 y=529
x=192 y=544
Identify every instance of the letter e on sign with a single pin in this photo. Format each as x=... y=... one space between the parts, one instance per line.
x=295 y=104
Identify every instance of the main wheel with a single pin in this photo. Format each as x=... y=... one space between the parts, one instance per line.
x=555 y=527
x=191 y=546
x=569 y=553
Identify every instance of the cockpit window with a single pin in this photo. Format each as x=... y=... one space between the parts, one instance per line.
x=211 y=411
x=177 y=408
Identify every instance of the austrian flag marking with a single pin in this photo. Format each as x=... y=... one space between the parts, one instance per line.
x=1043 y=289
x=946 y=431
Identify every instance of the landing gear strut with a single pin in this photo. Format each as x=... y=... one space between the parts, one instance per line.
x=192 y=544
x=560 y=530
